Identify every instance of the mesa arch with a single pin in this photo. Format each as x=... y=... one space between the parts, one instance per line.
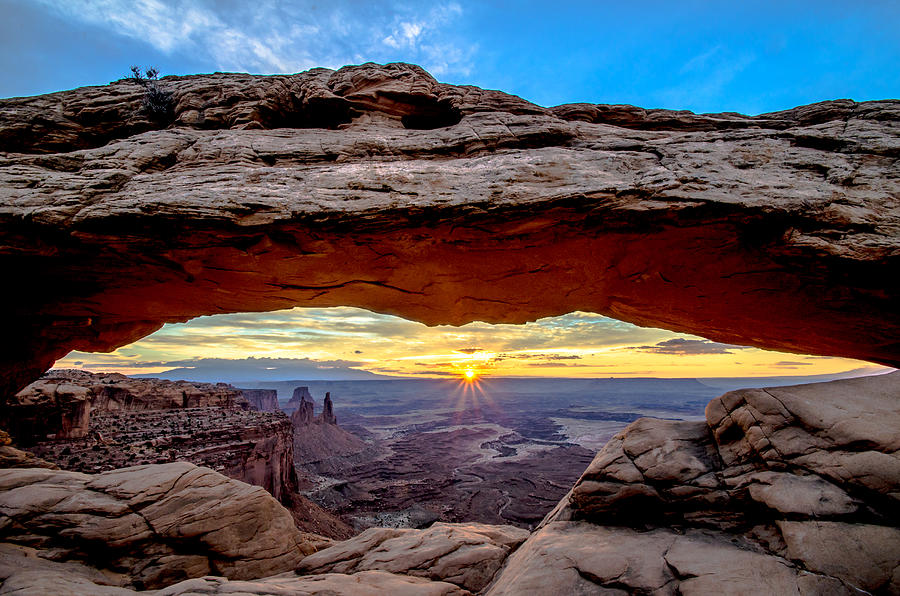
x=378 y=187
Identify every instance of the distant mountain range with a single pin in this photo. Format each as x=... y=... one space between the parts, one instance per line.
x=262 y=372
x=731 y=383
x=254 y=370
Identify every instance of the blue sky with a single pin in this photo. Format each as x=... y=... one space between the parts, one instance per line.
x=750 y=57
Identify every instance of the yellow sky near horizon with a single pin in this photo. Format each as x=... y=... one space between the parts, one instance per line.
x=573 y=345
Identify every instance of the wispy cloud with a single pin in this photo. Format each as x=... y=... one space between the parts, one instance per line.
x=350 y=338
x=704 y=78
x=789 y=364
x=267 y=36
x=680 y=346
x=700 y=61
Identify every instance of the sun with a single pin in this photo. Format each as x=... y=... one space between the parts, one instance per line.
x=469 y=374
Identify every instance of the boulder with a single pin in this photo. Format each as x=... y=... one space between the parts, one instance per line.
x=581 y=558
x=156 y=524
x=23 y=573
x=467 y=554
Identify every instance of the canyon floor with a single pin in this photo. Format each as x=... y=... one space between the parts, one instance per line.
x=777 y=490
x=500 y=451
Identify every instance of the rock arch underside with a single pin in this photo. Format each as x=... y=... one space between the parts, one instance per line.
x=378 y=187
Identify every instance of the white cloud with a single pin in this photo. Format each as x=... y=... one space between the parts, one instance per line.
x=272 y=37
x=405 y=35
x=700 y=61
x=704 y=78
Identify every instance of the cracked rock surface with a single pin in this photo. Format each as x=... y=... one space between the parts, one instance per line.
x=378 y=187
x=466 y=554
x=24 y=574
x=786 y=490
x=791 y=490
x=150 y=525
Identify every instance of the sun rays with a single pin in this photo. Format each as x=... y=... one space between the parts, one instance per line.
x=471 y=398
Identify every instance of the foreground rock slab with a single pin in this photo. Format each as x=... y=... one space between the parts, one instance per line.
x=781 y=490
x=23 y=574
x=584 y=558
x=467 y=555
x=378 y=187
x=153 y=525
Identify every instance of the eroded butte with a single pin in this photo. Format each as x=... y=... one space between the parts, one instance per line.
x=378 y=187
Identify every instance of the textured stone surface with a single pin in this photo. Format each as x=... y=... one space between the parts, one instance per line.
x=253 y=447
x=264 y=400
x=299 y=395
x=155 y=524
x=318 y=439
x=23 y=573
x=867 y=556
x=150 y=421
x=59 y=404
x=580 y=558
x=467 y=555
x=328 y=416
x=10 y=457
x=376 y=186
x=305 y=412
x=781 y=490
x=365 y=583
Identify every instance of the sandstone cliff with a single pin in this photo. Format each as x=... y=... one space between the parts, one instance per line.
x=377 y=186
x=299 y=395
x=127 y=422
x=59 y=405
x=264 y=400
x=318 y=439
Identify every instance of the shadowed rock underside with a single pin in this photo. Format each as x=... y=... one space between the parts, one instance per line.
x=378 y=187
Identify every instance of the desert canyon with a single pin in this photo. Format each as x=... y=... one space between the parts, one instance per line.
x=376 y=186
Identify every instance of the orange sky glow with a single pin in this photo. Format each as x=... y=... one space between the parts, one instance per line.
x=574 y=345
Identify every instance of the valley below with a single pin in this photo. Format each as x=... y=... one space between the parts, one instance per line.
x=499 y=451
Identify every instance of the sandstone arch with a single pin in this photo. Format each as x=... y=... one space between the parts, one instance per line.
x=376 y=186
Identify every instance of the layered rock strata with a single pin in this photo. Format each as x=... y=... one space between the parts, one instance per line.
x=264 y=400
x=785 y=490
x=467 y=555
x=298 y=396
x=318 y=439
x=150 y=421
x=378 y=187
x=60 y=403
x=782 y=490
x=254 y=447
x=150 y=526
